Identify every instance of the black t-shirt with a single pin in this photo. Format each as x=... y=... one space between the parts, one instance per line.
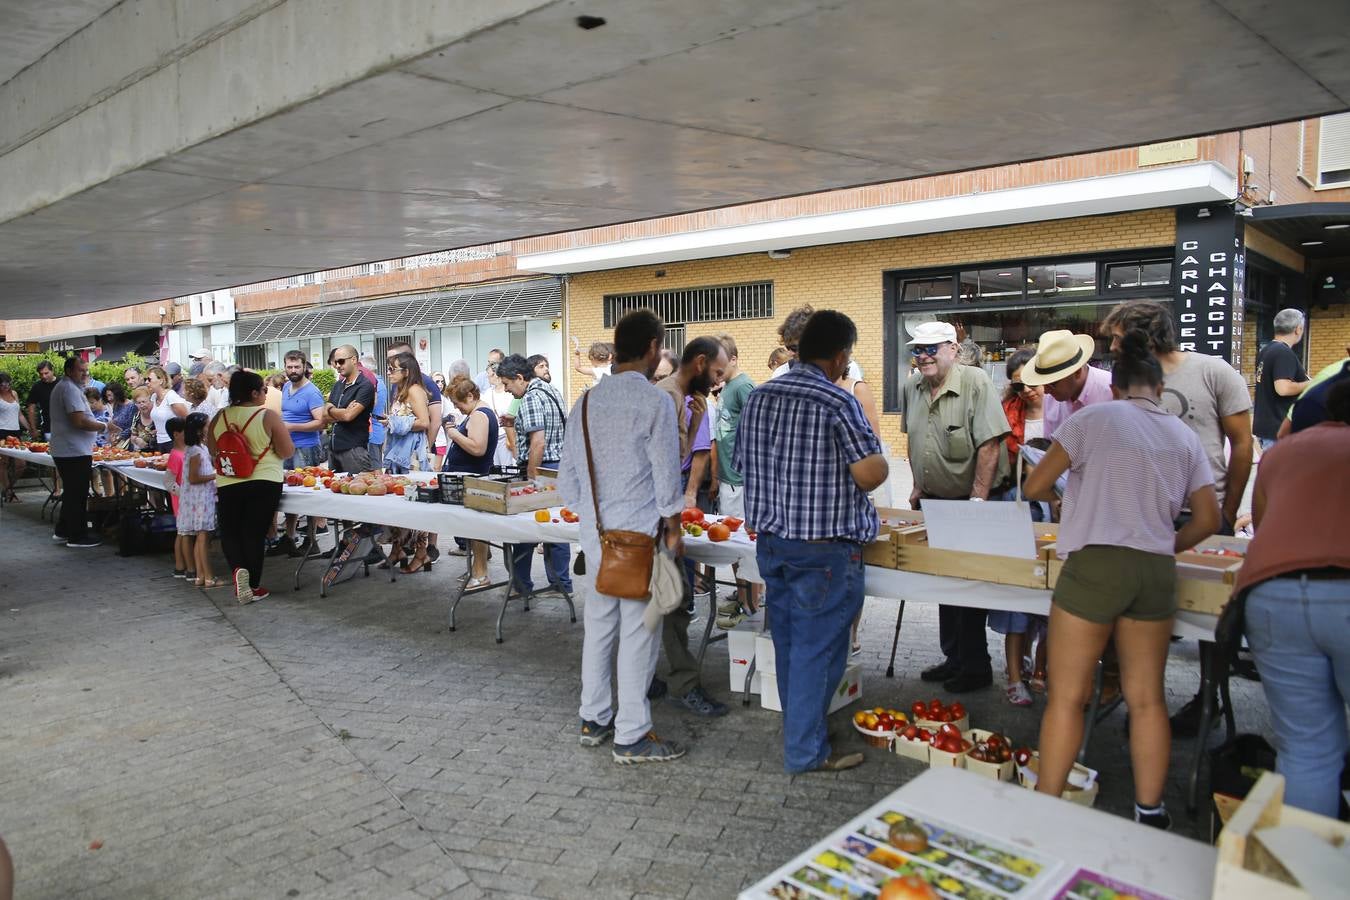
x=41 y=394
x=1275 y=361
x=356 y=433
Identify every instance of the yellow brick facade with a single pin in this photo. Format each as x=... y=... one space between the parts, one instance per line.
x=1328 y=336
x=849 y=278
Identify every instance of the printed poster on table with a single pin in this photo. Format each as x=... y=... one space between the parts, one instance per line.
x=1088 y=885
x=858 y=860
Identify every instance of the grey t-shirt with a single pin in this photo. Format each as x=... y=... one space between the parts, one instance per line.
x=67 y=440
x=1201 y=392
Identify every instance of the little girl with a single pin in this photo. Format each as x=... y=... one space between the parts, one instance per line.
x=182 y=547
x=600 y=356
x=197 y=500
x=102 y=480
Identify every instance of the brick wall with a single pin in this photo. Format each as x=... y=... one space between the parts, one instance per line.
x=1328 y=336
x=848 y=277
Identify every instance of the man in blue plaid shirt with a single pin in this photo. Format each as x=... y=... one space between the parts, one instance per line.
x=540 y=423
x=809 y=459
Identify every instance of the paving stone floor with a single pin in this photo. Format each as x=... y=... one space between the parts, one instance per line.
x=353 y=747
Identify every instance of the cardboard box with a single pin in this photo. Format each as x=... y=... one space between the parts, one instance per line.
x=997 y=771
x=764 y=655
x=1246 y=869
x=492 y=493
x=849 y=689
x=741 y=642
x=916 y=750
x=1083 y=796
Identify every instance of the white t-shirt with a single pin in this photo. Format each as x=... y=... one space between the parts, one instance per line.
x=1033 y=429
x=598 y=372
x=163 y=412
x=218 y=397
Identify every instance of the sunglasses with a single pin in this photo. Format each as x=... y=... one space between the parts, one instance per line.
x=926 y=349
x=1017 y=386
x=339 y=360
x=396 y=369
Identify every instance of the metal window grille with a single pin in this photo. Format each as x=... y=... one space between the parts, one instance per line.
x=253 y=356
x=675 y=341
x=720 y=303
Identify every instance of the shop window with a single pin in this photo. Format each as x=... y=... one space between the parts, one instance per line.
x=926 y=290
x=1062 y=279
x=991 y=284
x=1154 y=273
x=1333 y=151
x=252 y=356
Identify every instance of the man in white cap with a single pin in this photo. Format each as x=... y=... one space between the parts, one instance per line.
x=955 y=425
x=200 y=357
x=1061 y=365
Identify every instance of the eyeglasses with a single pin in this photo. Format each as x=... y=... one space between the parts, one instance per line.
x=340 y=360
x=926 y=349
x=396 y=369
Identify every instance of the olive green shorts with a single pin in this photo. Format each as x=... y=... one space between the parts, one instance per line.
x=1102 y=584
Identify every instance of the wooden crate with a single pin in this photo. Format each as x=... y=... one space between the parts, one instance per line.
x=492 y=493
x=898 y=526
x=1031 y=573
x=1245 y=869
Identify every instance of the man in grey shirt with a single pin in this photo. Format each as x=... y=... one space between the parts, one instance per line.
x=74 y=430
x=635 y=453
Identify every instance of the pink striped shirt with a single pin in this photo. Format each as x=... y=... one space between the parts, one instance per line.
x=1133 y=467
x=1097 y=389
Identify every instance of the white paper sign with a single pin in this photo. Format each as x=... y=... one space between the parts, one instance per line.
x=998 y=528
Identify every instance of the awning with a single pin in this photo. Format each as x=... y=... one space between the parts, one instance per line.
x=534 y=298
x=143 y=343
x=1315 y=230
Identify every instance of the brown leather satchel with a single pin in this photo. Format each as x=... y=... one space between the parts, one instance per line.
x=626 y=557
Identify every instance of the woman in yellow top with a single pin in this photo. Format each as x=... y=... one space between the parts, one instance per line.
x=246 y=507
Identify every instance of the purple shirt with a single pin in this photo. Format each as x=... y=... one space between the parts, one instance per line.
x=1132 y=467
x=701 y=439
x=1097 y=389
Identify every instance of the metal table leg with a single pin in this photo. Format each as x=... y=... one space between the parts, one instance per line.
x=895 y=642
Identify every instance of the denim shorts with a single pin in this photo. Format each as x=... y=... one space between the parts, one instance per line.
x=305 y=457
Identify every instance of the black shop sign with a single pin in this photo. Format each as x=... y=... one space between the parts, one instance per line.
x=1210 y=272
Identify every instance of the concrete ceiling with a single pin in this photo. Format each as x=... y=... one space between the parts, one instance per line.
x=31 y=28
x=534 y=125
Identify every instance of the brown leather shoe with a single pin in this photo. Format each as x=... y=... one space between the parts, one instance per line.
x=838 y=762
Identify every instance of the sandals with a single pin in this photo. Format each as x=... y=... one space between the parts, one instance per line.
x=1037 y=681
x=474 y=584
x=207 y=584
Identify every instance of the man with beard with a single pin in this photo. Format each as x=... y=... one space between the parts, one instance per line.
x=703 y=364
x=539 y=363
x=302 y=412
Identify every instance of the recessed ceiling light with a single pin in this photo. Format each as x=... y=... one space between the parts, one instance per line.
x=1313 y=243
x=1337 y=226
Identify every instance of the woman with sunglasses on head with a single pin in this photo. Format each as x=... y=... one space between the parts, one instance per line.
x=1132 y=467
x=405 y=450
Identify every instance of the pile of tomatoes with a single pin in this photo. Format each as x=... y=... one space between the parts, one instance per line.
x=696 y=524
x=994 y=749
x=880 y=719
x=949 y=739
x=936 y=711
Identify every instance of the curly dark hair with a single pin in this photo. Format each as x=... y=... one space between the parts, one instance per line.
x=1154 y=319
x=791 y=330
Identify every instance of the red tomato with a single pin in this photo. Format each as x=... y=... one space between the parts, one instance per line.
x=691 y=516
x=919 y=710
x=958 y=710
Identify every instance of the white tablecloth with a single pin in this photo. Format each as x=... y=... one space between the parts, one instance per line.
x=455 y=520
x=28 y=456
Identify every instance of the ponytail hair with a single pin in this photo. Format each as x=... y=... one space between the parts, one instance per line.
x=1136 y=366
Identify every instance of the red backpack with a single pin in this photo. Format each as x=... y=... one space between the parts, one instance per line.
x=233 y=458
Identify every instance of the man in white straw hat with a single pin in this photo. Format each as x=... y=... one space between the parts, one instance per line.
x=1061 y=365
x=955 y=425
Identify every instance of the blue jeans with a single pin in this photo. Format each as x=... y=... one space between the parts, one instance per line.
x=557 y=563
x=1297 y=630
x=376 y=455
x=813 y=591
x=1265 y=443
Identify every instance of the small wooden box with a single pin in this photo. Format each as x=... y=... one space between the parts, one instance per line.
x=492 y=493
x=916 y=750
x=1245 y=870
x=996 y=771
x=898 y=526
